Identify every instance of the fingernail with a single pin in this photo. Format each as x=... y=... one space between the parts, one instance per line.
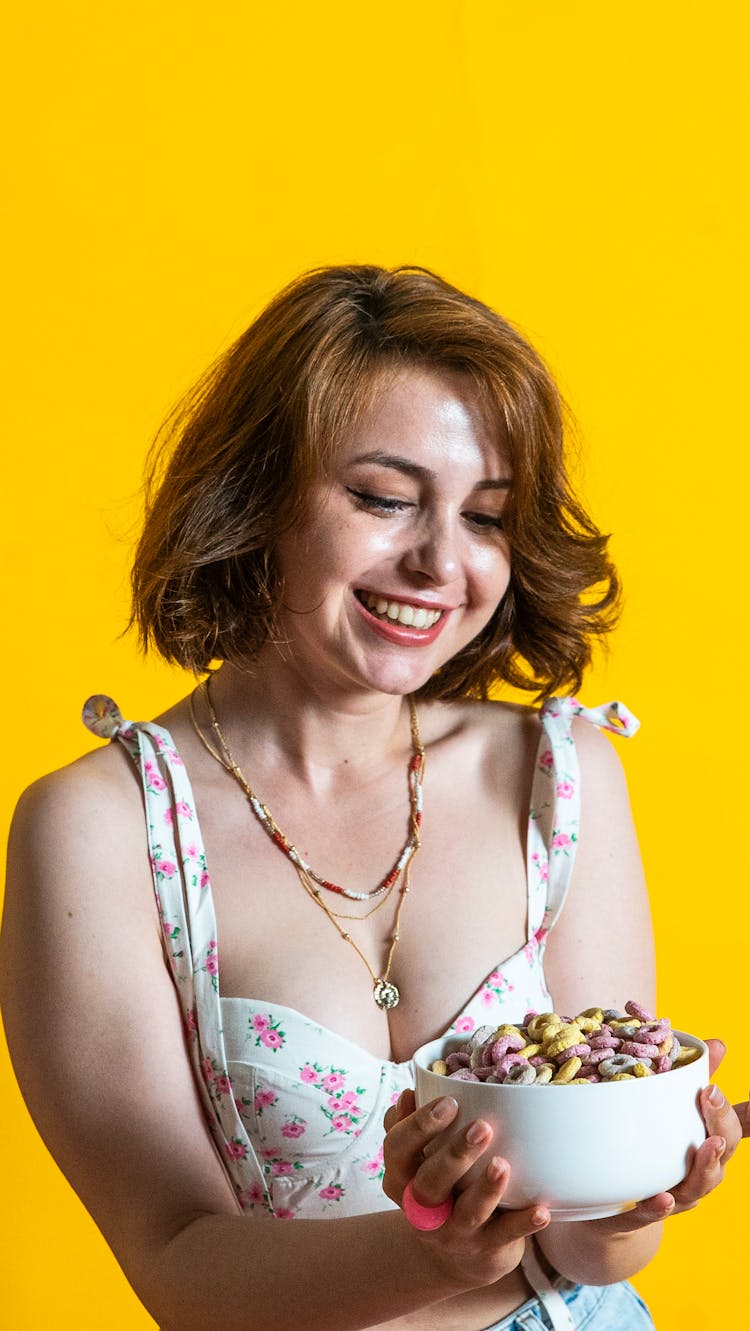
x=540 y=1217
x=496 y=1169
x=476 y=1132
x=716 y=1097
x=444 y=1108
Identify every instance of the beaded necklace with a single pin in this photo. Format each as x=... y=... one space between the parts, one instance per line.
x=385 y=992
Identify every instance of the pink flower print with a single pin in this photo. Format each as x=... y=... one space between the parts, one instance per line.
x=168 y=816
x=565 y=790
x=174 y=757
x=395 y=1097
x=204 y=880
x=192 y=851
x=541 y=866
x=488 y=997
x=183 y=809
x=295 y=1129
x=285 y=1214
x=464 y=1024
x=235 y=1149
x=153 y=780
x=266 y=1032
x=212 y=964
x=191 y=1021
x=271 y=1039
x=282 y=1167
x=546 y=761
x=253 y=1196
x=340 y=1123
x=349 y=1101
x=560 y=840
x=333 y=1080
x=308 y=1074
x=333 y=1193
x=165 y=867
x=223 y=1084
x=207 y=1070
x=374 y=1167
x=263 y=1099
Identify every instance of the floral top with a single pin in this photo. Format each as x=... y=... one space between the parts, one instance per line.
x=296 y=1111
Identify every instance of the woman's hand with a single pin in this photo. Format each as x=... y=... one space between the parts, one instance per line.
x=475 y=1246
x=724 y=1132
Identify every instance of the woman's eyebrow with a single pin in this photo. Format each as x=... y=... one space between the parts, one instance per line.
x=396 y=463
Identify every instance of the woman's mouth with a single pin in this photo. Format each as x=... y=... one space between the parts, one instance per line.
x=399 y=612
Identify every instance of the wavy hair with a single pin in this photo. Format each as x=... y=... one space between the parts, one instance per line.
x=232 y=466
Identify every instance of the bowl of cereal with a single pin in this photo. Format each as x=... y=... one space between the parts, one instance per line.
x=593 y=1113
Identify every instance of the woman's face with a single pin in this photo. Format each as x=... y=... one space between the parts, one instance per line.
x=403 y=559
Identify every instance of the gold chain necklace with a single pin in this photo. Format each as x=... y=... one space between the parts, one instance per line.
x=385 y=993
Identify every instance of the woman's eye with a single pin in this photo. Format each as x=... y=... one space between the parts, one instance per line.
x=485 y=521
x=377 y=503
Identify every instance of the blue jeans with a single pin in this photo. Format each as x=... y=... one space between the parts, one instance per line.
x=592 y=1307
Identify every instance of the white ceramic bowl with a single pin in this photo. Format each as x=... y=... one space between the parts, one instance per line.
x=584 y=1151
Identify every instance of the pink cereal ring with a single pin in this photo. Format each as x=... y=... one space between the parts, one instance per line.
x=604 y=1042
x=638 y=1050
x=598 y=1056
x=640 y=1013
x=656 y=1033
x=510 y=1061
x=573 y=1051
x=456 y=1060
x=536 y=1060
x=464 y=1074
x=662 y=1064
x=506 y=1044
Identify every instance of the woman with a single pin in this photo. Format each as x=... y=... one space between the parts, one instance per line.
x=366 y=519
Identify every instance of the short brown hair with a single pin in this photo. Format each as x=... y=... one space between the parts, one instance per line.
x=233 y=463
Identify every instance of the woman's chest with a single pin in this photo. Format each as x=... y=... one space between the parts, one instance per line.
x=465 y=910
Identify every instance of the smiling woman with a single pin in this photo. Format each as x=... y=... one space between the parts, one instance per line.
x=362 y=513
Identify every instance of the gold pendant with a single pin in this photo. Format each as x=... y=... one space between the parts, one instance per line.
x=386 y=995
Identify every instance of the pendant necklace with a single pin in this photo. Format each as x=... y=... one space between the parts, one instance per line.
x=385 y=993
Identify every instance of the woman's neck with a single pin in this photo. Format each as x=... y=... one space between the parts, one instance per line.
x=319 y=735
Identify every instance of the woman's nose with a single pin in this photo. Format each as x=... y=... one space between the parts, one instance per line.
x=434 y=551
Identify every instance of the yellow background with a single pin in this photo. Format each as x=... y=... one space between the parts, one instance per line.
x=577 y=165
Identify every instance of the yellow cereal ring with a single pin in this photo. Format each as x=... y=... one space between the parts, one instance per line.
x=640 y=1070
x=588 y=1024
x=568 y=1071
x=592 y=1014
x=688 y=1054
x=544 y=1073
x=666 y=1045
x=440 y=1066
x=530 y=1050
x=563 y=1039
x=622 y=1076
x=507 y=1029
x=579 y=1081
x=624 y=1021
x=540 y=1021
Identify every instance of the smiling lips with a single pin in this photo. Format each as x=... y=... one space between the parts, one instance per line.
x=400 y=612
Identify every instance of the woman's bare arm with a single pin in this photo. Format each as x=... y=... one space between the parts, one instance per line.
x=96 y=1037
x=601 y=951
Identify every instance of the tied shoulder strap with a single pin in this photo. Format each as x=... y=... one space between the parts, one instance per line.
x=554 y=815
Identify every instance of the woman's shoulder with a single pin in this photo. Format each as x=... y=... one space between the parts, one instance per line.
x=95 y=795
x=517 y=728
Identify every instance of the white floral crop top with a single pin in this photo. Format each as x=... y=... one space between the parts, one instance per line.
x=296 y=1110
